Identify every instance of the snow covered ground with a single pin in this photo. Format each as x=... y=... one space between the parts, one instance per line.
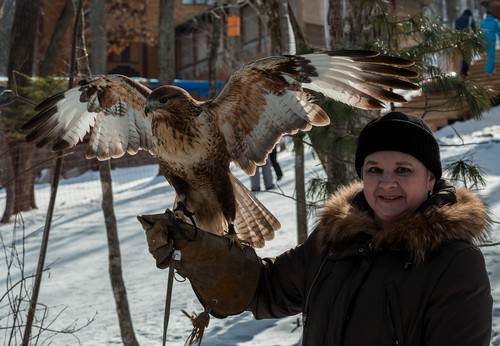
x=76 y=288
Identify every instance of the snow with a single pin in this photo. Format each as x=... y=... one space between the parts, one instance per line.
x=76 y=287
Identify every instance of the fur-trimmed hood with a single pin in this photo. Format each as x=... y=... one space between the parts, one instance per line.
x=420 y=234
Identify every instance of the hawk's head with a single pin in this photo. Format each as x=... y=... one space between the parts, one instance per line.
x=170 y=101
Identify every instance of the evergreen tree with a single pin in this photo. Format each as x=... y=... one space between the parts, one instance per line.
x=422 y=38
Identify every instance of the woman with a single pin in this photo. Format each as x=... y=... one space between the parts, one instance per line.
x=395 y=265
x=390 y=262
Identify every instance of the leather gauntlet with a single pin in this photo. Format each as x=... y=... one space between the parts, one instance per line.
x=220 y=273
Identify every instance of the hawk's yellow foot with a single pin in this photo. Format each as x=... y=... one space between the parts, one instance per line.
x=233 y=238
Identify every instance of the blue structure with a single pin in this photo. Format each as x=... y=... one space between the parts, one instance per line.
x=200 y=87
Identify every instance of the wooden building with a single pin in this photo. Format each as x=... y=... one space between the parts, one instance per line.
x=193 y=30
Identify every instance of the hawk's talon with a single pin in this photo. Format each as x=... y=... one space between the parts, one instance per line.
x=233 y=238
x=180 y=211
x=179 y=214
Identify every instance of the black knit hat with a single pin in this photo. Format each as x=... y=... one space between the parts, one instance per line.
x=396 y=131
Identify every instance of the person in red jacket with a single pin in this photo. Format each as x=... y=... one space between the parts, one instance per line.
x=392 y=259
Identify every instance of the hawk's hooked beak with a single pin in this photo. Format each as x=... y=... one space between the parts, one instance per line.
x=147 y=110
x=150 y=107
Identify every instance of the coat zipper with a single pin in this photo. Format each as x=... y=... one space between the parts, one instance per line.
x=306 y=306
x=391 y=323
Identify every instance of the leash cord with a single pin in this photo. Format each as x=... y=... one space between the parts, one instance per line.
x=168 y=299
x=171 y=272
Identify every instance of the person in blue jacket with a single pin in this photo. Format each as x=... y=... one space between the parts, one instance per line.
x=465 y=23
x=491 y=29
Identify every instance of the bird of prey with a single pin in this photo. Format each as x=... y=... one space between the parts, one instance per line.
x=195 y=141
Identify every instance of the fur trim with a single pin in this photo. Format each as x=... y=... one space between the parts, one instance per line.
x=420 y=234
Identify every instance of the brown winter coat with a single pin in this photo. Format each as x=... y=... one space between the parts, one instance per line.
x=421 y=282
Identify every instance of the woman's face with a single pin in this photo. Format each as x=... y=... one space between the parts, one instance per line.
x=395 y=184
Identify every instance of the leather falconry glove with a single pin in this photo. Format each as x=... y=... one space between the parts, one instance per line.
x=221 y=274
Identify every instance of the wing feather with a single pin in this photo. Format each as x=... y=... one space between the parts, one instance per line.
x=362 y=82
x=110 y=108
x=271 y=97
x=285 y=114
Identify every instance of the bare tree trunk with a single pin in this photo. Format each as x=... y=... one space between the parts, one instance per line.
x=81 y=56
x=115 y=266
x=234 y=40
x=24 y=29
x=21 y=59
x=300 y=182
x=301 y=206
x=7 y=175
x=336 y=20
x=269 y=11
x=22 y=154
x=98 y=37
x=284 y=24
x=98 y=64
x=166 y=43
x=7 y=9
x=214 y=50
x=57 y=39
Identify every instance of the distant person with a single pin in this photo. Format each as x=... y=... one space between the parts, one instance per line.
x=267 y=175
x=465 y=23
x=491 y=29
x=273 y=157
x=266 y=170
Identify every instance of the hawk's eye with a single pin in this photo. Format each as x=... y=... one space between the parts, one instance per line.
x=164 y=99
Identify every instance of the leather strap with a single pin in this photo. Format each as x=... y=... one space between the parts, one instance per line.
x=168 y=299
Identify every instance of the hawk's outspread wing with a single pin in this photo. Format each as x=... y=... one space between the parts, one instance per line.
x=110 y=107
x=195 y=141
x=270 y=97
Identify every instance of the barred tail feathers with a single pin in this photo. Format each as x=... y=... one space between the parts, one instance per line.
x=254 y=222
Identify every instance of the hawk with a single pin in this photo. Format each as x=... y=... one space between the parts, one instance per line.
x=195 y=141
